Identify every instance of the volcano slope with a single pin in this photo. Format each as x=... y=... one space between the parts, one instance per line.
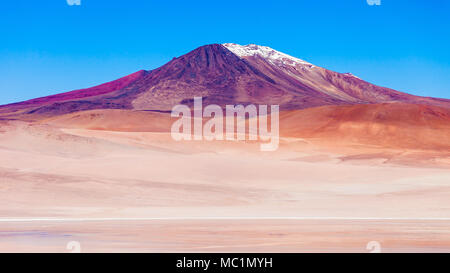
x=99 y=165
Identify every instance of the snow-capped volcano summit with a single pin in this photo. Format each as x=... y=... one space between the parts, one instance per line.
x=221 y=74
x=268 y=53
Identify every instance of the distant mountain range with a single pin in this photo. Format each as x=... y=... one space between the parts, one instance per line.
x=221 y=74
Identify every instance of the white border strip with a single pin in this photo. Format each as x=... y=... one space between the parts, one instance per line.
x=6 y=220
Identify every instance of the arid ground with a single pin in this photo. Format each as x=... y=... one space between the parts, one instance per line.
x=122 y=190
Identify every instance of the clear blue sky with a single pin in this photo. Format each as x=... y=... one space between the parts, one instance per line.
x=49 y=47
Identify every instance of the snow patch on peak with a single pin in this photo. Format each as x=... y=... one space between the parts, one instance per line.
x=350 y=75
x=273 y=56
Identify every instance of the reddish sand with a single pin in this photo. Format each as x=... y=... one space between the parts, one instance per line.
x=395 y=125
x=97 y=168
x=356 y=163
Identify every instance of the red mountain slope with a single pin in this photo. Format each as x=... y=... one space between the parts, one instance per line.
x=221 y=74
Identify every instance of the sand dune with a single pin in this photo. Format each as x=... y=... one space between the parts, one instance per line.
x=395 y=125
x=114 y=120
x=52 y=172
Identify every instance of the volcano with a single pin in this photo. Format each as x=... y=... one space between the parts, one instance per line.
x=221 y=74
x=337 y=105
x=101 y=166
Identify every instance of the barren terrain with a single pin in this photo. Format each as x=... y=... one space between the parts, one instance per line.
x=121 y=189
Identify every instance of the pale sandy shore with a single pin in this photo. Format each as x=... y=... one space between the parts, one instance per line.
x=225 y=197
x=228 y=235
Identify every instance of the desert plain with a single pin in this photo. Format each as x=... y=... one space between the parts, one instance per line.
x=129 y=187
